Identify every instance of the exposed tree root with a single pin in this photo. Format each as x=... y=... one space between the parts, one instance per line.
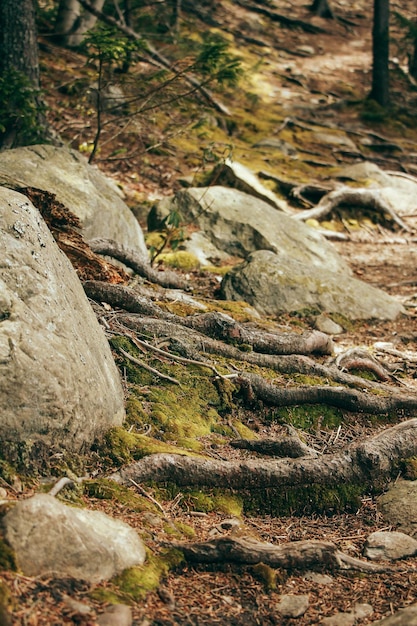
x=191 y=343
x=348 y=399
x=137 y=263
x=373 y=460
x=217 y=325
x=365 y=198
x=300 y=555
x=289 y=446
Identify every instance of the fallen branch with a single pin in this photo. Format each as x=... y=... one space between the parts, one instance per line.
x=364 y=198
x=149 y=368
x=299 y=555
x=274 y=16
x=373 y=460
x=287 y=447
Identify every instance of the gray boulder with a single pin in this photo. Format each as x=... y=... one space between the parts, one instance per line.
x=81 y=187
x=58 y=380
x=238 y=223
x=238 y=176
x=276 y=283
x=50 y=538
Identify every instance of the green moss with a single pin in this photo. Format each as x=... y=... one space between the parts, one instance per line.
x=266 y=574
x=104 y=489
x=122 y=447
x=7 y=555
x=309 y=416
x=207 y=500
x=408 y=468
x=181 y=259
x=244 y=431
x=137 y=582
x=304 y=500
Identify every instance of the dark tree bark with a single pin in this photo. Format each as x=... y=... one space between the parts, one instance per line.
x=412 y=67
x=380 y=53
x=72 y=23
x=21 y=119
x=322 y=8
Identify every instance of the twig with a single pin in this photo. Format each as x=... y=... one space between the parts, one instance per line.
x=60 y=484
x=149 y=368
x=148 y=495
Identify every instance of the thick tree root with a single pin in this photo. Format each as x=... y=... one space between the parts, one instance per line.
x=365 y=198
x=348 y=399
x=373 y=460
x=299 y=555
x=192 y=343
x=137 y=263
x=217 y=325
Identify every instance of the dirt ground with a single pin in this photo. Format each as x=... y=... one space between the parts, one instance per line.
x=232 y=595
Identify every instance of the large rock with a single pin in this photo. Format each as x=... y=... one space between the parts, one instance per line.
x=276 y=283
x=81 y=187
x=58 y=380
x=239 y=224
x=50 y=538
x=238 y=176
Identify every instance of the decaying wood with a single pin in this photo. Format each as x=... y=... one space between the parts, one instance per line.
x=296 y=555
x=137 y=263
x=373 y=460
x=65 y=227
x=365 y=198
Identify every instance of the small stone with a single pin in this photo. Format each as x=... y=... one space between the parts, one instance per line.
x=327 y=325
x=75 y=606
x=306 y=50
x=403 y=617
x=389 y=545
x=319 y=579
x=293 y=606
x=230 y=524
x=117 y=615
x=339 y=619
x=362 y=610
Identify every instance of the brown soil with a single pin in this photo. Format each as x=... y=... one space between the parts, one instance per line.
x=227 y=594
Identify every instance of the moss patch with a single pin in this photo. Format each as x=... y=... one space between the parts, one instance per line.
x=309 y=416
x=104 y=489
x=304 y=500
x=137 y=582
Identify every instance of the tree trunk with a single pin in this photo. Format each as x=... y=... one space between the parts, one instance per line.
x=380 y=53
x=21 y=119
x=69 y=12
x=72 y=24
x=322 y=8
x=413 y=60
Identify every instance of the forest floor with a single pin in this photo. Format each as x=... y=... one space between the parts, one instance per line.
x=310 y=88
